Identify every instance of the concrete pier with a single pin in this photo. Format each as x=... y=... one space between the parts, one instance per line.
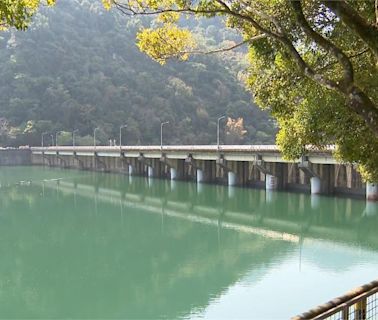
x=231 y=178
x=199 y=176
x=271 y=182
x=372 y=191
x=150 y=172
x=173 y=173
x=315 y=185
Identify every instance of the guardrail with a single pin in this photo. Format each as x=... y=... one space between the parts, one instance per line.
x=358 y=304
x=186 y=148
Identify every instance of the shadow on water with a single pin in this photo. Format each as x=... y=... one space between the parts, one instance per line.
x=111 y=246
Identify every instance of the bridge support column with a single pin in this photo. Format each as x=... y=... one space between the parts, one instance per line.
x=173 y=173
x=372 y=191
x=130 y=170
x=150 y=172
x=200 y=177
x=316 y=185
x=231 y=178
x=271 y=182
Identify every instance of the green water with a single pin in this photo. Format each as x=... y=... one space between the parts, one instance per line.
x=92 y=245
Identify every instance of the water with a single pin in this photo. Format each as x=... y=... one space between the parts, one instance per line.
x=77 y=244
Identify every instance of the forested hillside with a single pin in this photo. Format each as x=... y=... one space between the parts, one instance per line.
x=78 y=67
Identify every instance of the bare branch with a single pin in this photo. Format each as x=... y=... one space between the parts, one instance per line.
x=220 y=50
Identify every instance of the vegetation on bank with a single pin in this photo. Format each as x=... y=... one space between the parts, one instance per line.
x=77 y=67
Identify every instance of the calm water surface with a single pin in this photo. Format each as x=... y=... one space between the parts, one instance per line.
x=90 y=245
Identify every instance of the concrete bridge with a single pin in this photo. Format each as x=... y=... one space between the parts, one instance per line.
x=245 y=165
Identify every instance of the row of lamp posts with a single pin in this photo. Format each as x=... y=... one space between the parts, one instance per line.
x=56 y=137
x=162 y=124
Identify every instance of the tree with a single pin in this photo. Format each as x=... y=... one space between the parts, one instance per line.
x=235 y=131
x=18 y=13
x=313 y=64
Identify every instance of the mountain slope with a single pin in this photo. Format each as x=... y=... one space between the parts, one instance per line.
x=78 y=67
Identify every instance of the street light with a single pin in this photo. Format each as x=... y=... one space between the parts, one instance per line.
x=219 y=119
x=161 y=133
x=42 y=142
x=52 y=139
x=94 y=137
x=73 y=137
x=120 y=134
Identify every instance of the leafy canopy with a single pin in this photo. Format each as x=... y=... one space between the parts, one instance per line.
x=18 y=13
x=312 y=63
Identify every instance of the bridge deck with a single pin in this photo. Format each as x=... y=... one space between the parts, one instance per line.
x=268 y=153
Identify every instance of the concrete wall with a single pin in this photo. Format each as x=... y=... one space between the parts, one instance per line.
x=15 y=157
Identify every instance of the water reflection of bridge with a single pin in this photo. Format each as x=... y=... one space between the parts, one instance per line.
x=248 y=211
x=66 y=242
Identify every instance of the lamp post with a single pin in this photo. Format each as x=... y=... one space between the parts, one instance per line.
x=94 y=137
x=73 y=137
x=219 y=119
x=120 y=134
x=42 y=142
x=161 y=133
x=52 y=139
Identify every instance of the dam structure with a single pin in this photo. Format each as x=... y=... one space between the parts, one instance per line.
x=259 y=166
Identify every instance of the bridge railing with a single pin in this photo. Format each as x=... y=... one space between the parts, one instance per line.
x=173 y=148
x=358 y=304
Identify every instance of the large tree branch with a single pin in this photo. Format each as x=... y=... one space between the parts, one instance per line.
x=340 y=56
x=133 y=11
x=352 y=19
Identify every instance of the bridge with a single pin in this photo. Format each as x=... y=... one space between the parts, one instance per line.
x=236 y=165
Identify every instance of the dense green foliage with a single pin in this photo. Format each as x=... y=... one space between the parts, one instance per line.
x=18 y=13
x=77 y=67
x=313 y=63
